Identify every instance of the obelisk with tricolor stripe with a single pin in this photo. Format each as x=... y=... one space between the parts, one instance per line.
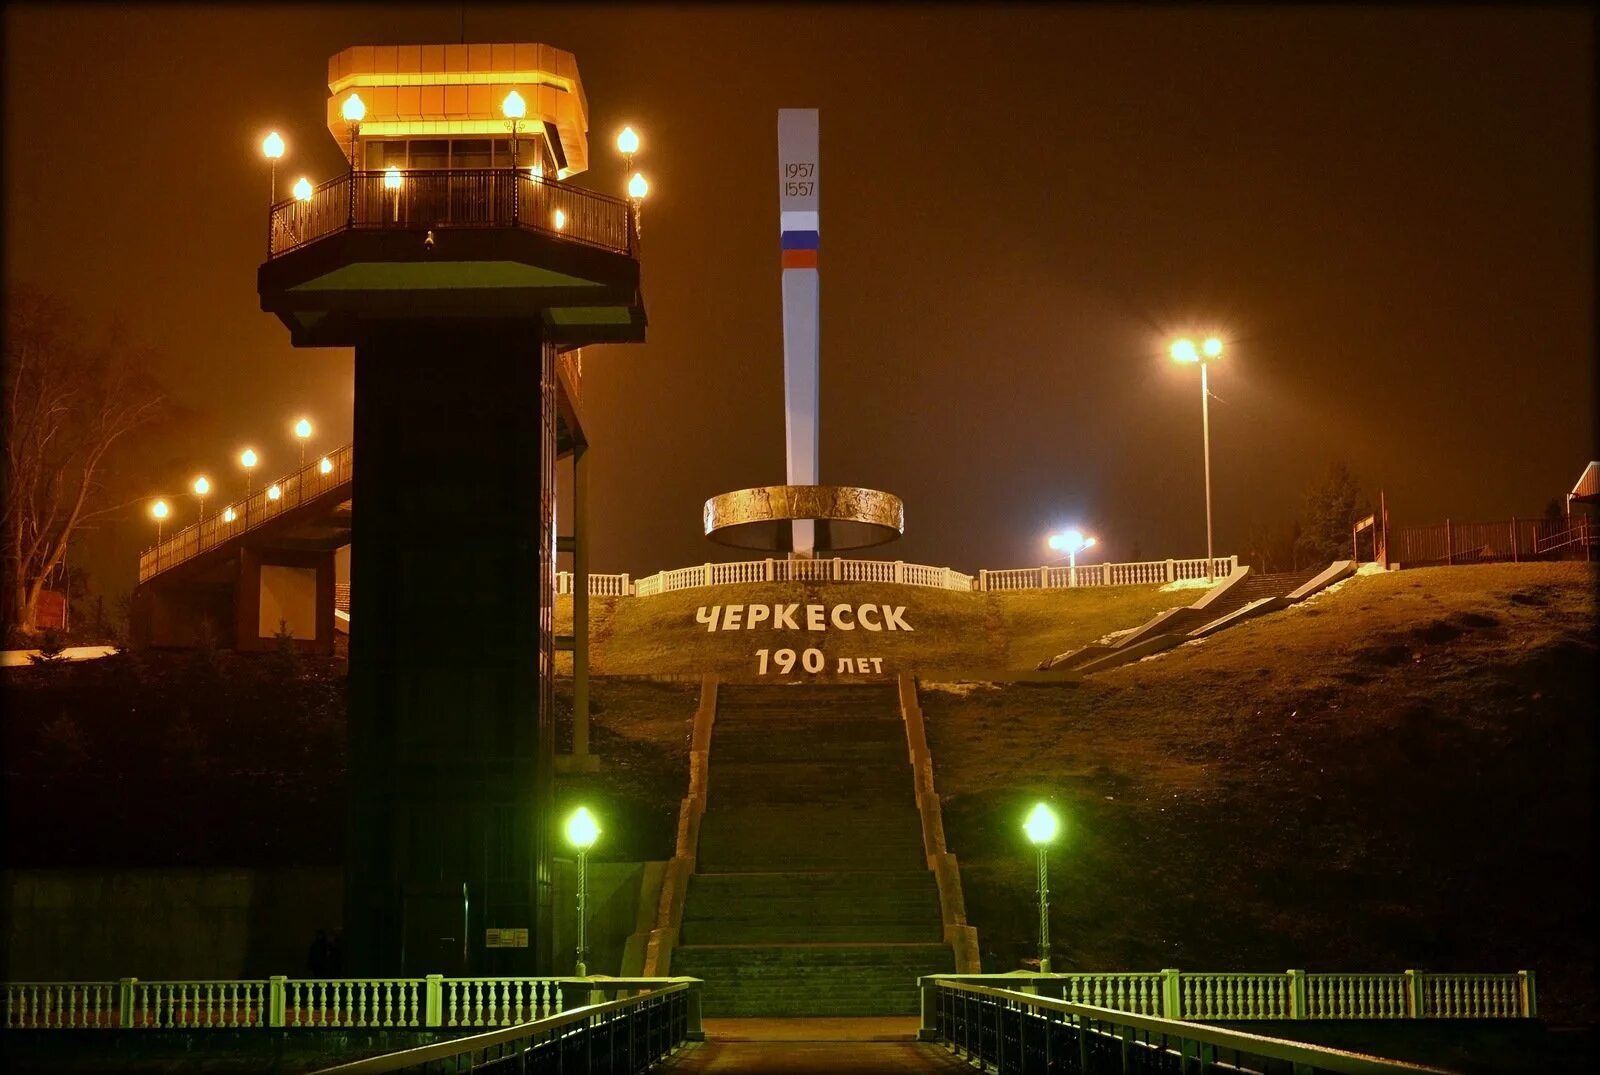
x=797 y=201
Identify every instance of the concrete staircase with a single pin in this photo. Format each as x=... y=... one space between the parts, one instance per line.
x=812 y=894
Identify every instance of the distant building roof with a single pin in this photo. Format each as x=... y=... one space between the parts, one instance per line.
x=1588 y=487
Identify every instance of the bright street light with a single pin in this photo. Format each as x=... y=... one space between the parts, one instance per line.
x=248 y=459
x=582 y=831
x=201 y=487
x=302 y=189
x=326 y=466
x=627 y=145
x=158 y=512
x=1184 y=351
x=514 y=108
x=559 y=219
x=638 y=187
x=1071 y=542
x=227 y=514
x=354 y=110
x=272 y=147
x=273 y=491
x=302 y=430
x=1042 y=827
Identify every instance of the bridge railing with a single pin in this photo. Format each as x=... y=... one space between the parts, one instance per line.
x=291 y=1003
x=624 y=1036
x=1008 y=1031
x=261 y=506
x=1290 y=994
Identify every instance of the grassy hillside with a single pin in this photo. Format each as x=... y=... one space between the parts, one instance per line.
x=1395 y=774
x=965 y=633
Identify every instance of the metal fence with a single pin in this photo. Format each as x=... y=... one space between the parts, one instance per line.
x=417 y=199
x=1504 y=541
x=1008 y=1032
x=623 y=1036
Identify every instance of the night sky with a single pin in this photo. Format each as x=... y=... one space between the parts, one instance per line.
x=1388 y=214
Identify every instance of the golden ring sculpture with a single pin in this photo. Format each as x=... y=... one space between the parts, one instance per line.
x=846 y=517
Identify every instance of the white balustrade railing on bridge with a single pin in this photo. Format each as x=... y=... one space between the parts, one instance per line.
x=434 y=1000
x=304 y=485
x=1292 y=994
x=838 y=569
x=281 y=1001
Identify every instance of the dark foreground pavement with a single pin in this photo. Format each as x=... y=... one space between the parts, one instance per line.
x=804 y=1046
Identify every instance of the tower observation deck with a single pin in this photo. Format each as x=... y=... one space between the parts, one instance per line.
x=457 y=260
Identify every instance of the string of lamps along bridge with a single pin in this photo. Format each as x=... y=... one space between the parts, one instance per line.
x=201 y=486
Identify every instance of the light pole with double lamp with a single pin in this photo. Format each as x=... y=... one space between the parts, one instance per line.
x=1208 y=352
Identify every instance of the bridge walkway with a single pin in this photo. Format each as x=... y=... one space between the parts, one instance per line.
x=804 y=1046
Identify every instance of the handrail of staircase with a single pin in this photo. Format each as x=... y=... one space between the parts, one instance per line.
x=958 y=933
x=675 y=882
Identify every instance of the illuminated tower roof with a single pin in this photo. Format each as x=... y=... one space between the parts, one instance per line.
x=451 y=91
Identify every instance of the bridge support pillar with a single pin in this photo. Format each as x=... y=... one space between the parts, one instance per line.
x=284 y=589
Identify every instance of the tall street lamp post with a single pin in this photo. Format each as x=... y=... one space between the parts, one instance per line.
x=1207 y=353
x=302 y=432
x=1041 y=827
x=201 y=488
x=158 y=512
x=582 y=830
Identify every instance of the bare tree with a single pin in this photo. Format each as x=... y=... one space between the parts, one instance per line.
x=69 y=401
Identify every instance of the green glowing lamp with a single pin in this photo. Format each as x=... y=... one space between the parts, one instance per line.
x=1042 y=825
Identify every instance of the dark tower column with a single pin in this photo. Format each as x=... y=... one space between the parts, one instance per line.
x=450 y=737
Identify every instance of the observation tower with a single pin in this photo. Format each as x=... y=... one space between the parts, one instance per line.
x=464 y=267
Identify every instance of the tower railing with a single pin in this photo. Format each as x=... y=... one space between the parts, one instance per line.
x=422 y=199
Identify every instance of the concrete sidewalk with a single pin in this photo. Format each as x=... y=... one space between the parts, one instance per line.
x=803 y=1046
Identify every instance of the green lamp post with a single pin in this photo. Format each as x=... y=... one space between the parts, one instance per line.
x=582 y=831
x=1042 y=827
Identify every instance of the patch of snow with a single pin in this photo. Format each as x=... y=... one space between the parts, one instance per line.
x=1190 y=584
x=960 y=688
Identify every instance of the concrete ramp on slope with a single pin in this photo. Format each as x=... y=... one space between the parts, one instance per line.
x=1243 y=596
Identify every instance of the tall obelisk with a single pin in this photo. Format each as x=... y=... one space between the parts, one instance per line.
x=797 y=201
x=803 y=516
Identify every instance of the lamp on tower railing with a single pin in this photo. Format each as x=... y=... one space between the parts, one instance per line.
x=272 y=147
x=514 y=108
x=638 y=187
x=627 y=145
x=354 y=111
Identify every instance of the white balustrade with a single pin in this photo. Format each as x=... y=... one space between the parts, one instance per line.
x=1470 y=996
x=1234 y=996
x=1356 y=996
x=499 y=1001
x=64 y=1005
x=352 y=1002
x=186 y=1004
x=1139 y=993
